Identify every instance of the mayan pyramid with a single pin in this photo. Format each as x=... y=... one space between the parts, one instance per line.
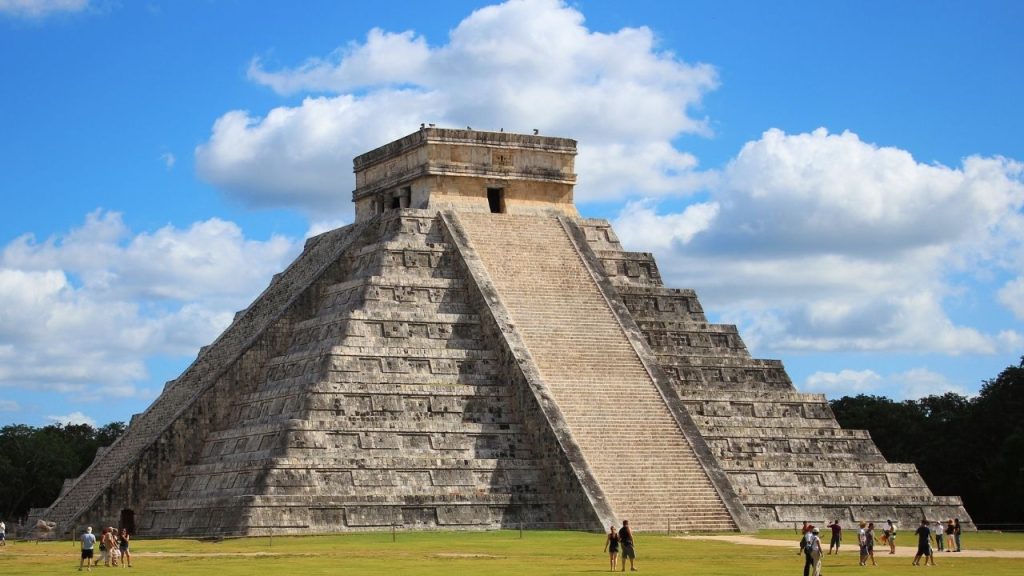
x=472 y=354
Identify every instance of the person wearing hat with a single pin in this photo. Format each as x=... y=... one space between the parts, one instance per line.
x=810 y=545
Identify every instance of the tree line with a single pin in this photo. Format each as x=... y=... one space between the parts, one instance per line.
x=35 y=461
x=970 y=447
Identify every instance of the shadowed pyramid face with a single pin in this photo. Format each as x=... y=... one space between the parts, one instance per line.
x=472 y=354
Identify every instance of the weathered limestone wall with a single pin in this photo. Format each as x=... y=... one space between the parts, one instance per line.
x=390 y=405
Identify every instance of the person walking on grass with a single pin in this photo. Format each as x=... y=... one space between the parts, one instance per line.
x=611 y=546
x=837 y=536
x=626 y=540
x=950 y=544
x=806 y=545
x=937 y=533
x=88 y=541
x=814 y=553
x=956 y=533
x=924 y=544
x=891 y=531
x=862 y=541
x=871 y=542
x=126 y=557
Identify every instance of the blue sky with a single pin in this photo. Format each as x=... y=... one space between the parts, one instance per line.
x=843 y=180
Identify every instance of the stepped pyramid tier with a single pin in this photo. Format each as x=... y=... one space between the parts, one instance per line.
x=472 y=354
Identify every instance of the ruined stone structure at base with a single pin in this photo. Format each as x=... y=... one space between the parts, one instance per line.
x=472 y=354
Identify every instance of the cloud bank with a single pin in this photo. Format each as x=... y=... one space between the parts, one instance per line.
x=520 y=65
x=88 y=308
x=824 y=242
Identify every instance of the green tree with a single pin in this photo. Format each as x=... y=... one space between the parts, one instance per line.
x=35 y=461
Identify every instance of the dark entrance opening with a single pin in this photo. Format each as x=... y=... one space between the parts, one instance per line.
x=496 y=200
x=128 y=520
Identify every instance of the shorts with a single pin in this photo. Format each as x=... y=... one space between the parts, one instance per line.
x=925 y=550
x=836 y=540
x=864 y=550
x=86 y=554
x=628 y=552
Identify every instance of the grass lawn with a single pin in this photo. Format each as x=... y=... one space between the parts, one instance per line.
x=490 y=553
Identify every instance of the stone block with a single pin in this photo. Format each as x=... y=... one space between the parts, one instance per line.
x=370 y=516
x=463 y=515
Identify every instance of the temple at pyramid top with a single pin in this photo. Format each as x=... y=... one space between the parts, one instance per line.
x=467 y=170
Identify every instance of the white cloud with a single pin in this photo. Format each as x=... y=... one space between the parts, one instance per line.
x=9 y=406
x=907 y=385
x=36 y=9
x=520 y=65
x=823 y=242
x=73 y=418
x=1011 y=295
x=87 y=309
x=168 y=159
x=844 y=383
x=641 y=225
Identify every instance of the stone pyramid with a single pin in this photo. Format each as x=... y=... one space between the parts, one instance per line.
x=472 y=354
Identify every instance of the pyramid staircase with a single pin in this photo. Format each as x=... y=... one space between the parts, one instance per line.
x=646 y=468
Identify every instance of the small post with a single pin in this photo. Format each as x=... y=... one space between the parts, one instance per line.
x=270 y=538
x=394 y=532
x=520 y=529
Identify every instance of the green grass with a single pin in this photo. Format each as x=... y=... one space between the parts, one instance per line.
x=491 y=553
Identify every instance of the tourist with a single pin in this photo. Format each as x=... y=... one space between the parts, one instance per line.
x=837 y=536
x=3 y=533
x=807 y=548
x=611 y=545
x=870 y=533
x=88 y=541
x=108 y=545
x=862 y=541
x=126 y=557
x=891 y=531
x=626 y=540
x=104 y=549
x=115 y=547
x=956 y=533
x=814 y=553
x=950 y=543
x=924 y=544
x=939 y=538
